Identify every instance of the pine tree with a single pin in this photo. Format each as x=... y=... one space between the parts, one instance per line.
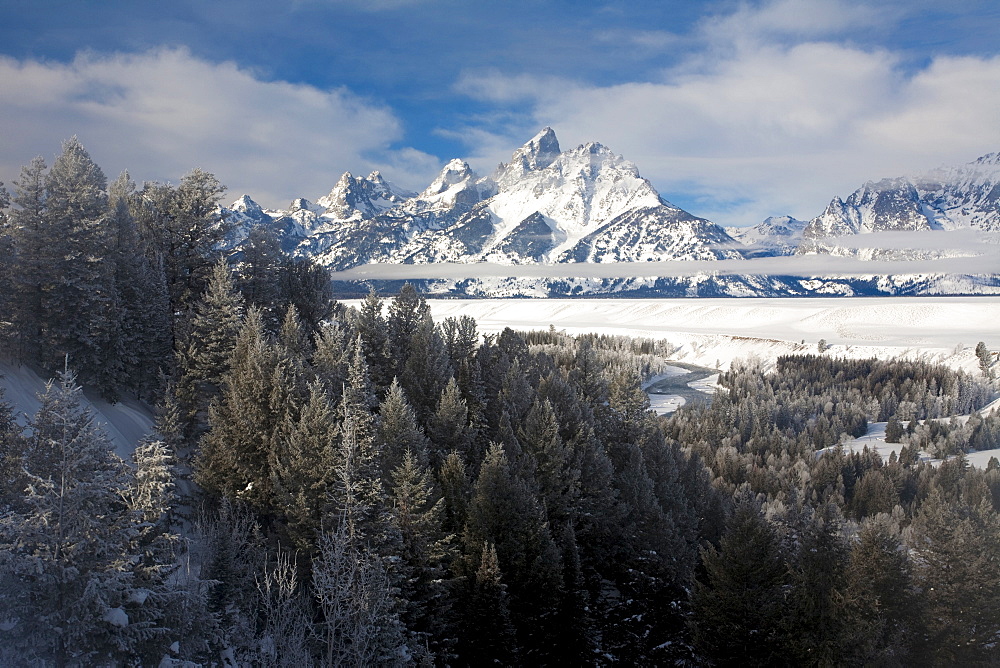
x=33 y=267
x=66 y=575
x=372 y=329
x=183 y=227
x=307 y=287
x=406 y=312
x=397 y=433
x=488 y=636
x=145 y=322
x=448 y=427
x=8 y=258
x=205 y=354
x=503 y=512
x=260 y=275
x=557 y=477
x=985 y=358
x=956 y=555
x=80 y=303
x=738 y=606
x=819 y=628
x=893 y=430
x=12 y=451
x=418 y=516
x=455 y=490
x=426 y=371
x=303 y=466
x=879 y=588
x=235 y=453
x=331 y=358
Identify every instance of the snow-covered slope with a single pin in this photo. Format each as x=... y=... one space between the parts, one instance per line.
x=125 y=422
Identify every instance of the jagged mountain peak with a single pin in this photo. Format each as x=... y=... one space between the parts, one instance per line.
x=246 y=206
x=535 y=155
x=541 y=149
x=990 y=159
x=455 y=172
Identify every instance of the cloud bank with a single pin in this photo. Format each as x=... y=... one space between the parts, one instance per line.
x=162 y=113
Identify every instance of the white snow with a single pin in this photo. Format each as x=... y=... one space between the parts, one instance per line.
x=125 y=422
x=874 y=439
x=116 y=617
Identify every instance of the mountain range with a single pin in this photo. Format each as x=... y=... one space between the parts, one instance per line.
x=549 y=207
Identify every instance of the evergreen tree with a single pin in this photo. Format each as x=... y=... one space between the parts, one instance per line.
x=66 y=563
x=448 y=427
x=504 y=513
x=205 y=354
x=8 y=259
x=985 y=359
x=455 y=490
x=331 y=358
x=418 y=516
x=879 y=587
x=818 y=626
x=307 y=286
x=488 y=636
x=397 y=433
x=425 y=372
x=183 y=227
x=144 y=319
x=304 y=462
x=738 y=606
x=236 y=452
x=260 y=275
x=956 y=555
x=33 y=266
x=372 y=329
x=893 y=430
x=406 y=311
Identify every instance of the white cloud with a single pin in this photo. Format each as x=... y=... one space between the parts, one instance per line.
x=771 y=116
x=164 y=112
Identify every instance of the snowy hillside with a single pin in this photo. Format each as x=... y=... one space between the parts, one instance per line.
x=125 y=422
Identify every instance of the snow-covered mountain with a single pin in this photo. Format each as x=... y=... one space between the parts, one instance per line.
x=945 y=199
x=545 y=205
x=777 y=235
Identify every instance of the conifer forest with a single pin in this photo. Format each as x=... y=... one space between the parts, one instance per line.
x=335 y=486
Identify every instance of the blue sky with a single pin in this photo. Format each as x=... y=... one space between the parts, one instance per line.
x=733 y=110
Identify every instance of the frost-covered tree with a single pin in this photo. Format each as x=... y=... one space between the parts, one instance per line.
x=144 y=320
x=79 y=302
x=183 y=226
x=68 y=561
x=304 y=461
x=204 y=355
x=32 y=265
